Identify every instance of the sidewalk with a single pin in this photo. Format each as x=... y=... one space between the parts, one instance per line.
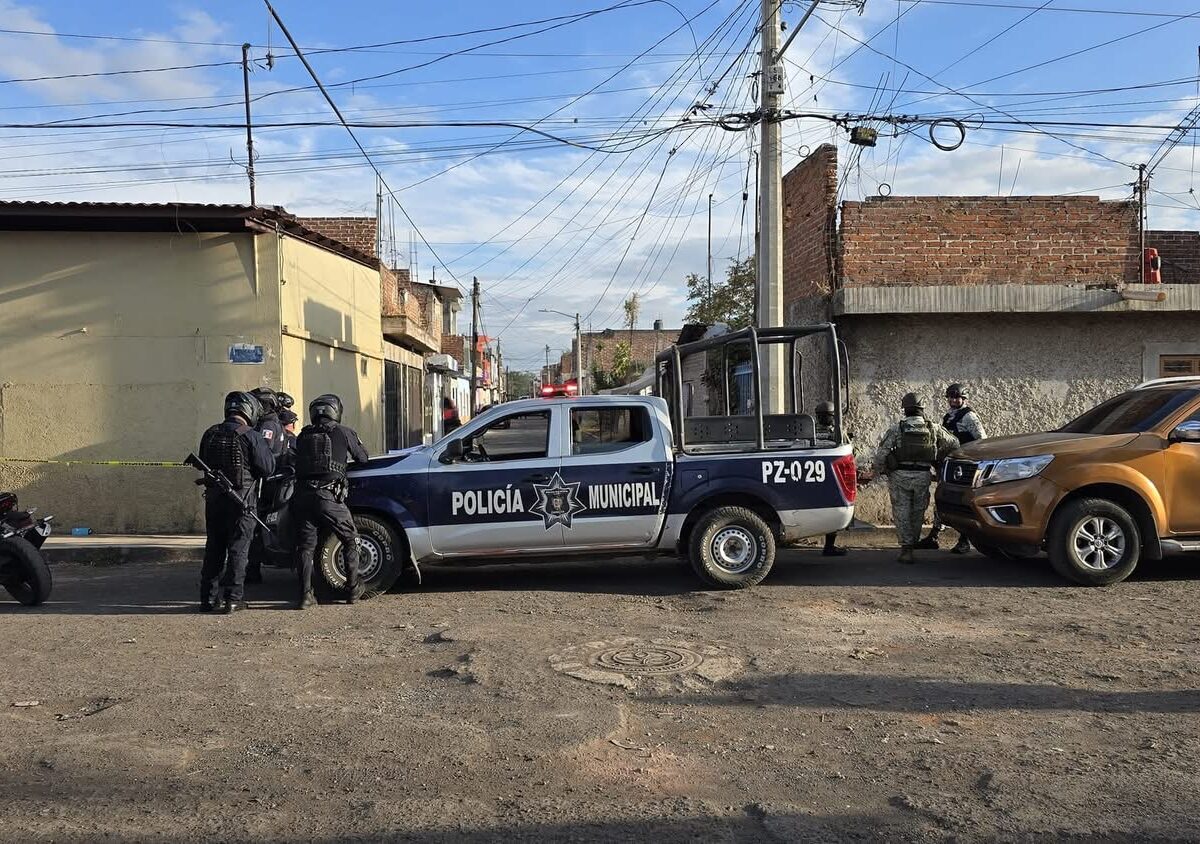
x=118 y=549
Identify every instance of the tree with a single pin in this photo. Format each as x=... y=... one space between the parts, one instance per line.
x=622 y=362
x=520 y=384
x=632 y=308
x=732 y=300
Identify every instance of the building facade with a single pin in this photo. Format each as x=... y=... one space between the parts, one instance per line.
x=1034 y=303
x=125 y=325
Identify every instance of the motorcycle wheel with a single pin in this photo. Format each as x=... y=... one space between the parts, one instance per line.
x=23 y=571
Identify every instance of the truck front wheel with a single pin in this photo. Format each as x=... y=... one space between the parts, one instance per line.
x=1094 y=541
x=732 y=548
x=379 y=560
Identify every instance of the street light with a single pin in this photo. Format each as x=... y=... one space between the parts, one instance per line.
x=578 y=345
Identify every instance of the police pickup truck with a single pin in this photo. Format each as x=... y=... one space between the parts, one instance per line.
x=618 y=475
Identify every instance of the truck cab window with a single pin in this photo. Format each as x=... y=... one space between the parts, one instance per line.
x=602 y=430
x=521 y=436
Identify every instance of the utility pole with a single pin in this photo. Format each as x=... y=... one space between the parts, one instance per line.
x=498 y=374
x=579 y=358
x=769 y=311
x=710 y=196
x=474 y=340
x=546 y=370
x=249 y=131
x=1141 y=190
x=379 y=224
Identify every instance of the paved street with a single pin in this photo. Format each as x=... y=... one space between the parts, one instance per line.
x=849 y=698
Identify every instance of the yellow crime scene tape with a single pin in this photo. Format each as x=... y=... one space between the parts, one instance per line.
x=160 y=463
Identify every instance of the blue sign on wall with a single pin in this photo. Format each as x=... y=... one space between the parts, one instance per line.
x=246 y=353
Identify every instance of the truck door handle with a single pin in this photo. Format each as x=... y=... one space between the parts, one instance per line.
x=645 y=470
x=536 y=479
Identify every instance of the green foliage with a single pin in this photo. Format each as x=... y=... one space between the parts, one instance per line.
x=732 y=300
x=520 y=384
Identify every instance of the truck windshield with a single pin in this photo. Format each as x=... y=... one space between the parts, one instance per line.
x=1130 y=413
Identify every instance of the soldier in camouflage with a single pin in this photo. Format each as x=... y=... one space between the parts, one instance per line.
x=907 y=454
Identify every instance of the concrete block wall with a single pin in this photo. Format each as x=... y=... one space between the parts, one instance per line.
x=1180 y=253
x=959 y=240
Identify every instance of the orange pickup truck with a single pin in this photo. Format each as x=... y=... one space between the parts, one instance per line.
x=1119 y=484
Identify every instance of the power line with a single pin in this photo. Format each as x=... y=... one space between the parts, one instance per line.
x=117 y=72
x=986 y=5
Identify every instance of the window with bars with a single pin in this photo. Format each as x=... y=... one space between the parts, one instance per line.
x=1170 y=366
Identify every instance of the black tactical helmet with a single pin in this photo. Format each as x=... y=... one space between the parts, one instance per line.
x=267 y=398
x=327 y=406
x=245 y=405
x=285 y=400
x=287 y=417
x=825 y=408
x=956 y=391
x=912 y=403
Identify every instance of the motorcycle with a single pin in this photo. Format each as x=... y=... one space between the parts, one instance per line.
x=23 y=569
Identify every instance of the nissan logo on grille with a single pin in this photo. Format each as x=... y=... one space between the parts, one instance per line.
x=958 y=472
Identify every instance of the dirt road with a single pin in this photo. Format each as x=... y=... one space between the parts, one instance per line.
x=851 y=699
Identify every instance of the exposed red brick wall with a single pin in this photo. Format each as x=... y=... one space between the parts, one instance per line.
x=1180 y=253
x=453 y=345
x=810 y=226
x=600 y=347
x=944 y=240
x=356 y=232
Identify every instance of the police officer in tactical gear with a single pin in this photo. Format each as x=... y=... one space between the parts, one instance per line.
x=272 y=431
x=288 y=419
x=907 y=454
x=826 y=425
x=322 y=452
x=239 y=452
x=964 y=423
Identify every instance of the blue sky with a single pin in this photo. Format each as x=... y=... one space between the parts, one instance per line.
x=546 y=225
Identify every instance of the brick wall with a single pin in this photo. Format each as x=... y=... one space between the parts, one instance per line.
x=356 y=232
x=454 y=345
x=942 y=240
x=1180 y=253
x=600 y=347
x=809 y=226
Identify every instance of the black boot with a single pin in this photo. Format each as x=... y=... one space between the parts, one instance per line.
x=306 y=600
x=231 y=606
x=930 y=542
x=354 y=591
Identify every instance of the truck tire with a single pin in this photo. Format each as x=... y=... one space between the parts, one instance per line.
x=23 y=571
x=732 y=548
x=1094 y=542
x=380 y=561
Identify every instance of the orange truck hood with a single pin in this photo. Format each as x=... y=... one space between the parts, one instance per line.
x=1049 y=442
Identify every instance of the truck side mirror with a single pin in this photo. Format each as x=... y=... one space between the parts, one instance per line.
x=1187 y=432
x=453 y=451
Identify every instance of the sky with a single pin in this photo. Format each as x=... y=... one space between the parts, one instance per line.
x=616 y=200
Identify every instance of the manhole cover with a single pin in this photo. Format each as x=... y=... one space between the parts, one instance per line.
x=646 y=659
x=641 y=664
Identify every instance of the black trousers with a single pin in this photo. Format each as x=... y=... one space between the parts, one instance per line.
x=229 y=530
x=315 y=511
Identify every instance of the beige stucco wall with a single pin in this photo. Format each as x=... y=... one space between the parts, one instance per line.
x=1025 y=372
x=116 y=348
x=332 y=335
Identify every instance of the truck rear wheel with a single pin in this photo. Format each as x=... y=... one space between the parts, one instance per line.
x=380 y=561
x=732 y=548
x=1094 y=541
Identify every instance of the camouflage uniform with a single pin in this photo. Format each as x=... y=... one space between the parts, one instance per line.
x=909 y=488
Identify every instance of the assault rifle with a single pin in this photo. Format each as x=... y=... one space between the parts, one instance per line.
x=216 y=478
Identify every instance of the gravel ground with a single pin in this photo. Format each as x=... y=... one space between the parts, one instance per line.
x=848 y=699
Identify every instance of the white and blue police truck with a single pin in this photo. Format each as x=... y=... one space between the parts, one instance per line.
x=623 y=474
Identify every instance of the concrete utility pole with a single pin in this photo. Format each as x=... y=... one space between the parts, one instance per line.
x=710 y=196
x=579 y=380
x=769 y=310
x=474 y=341
x=249 y=131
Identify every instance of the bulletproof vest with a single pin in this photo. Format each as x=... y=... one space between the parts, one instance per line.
x=952 y=424
x=224 y=451
x=917 y=445
x=315 y=455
